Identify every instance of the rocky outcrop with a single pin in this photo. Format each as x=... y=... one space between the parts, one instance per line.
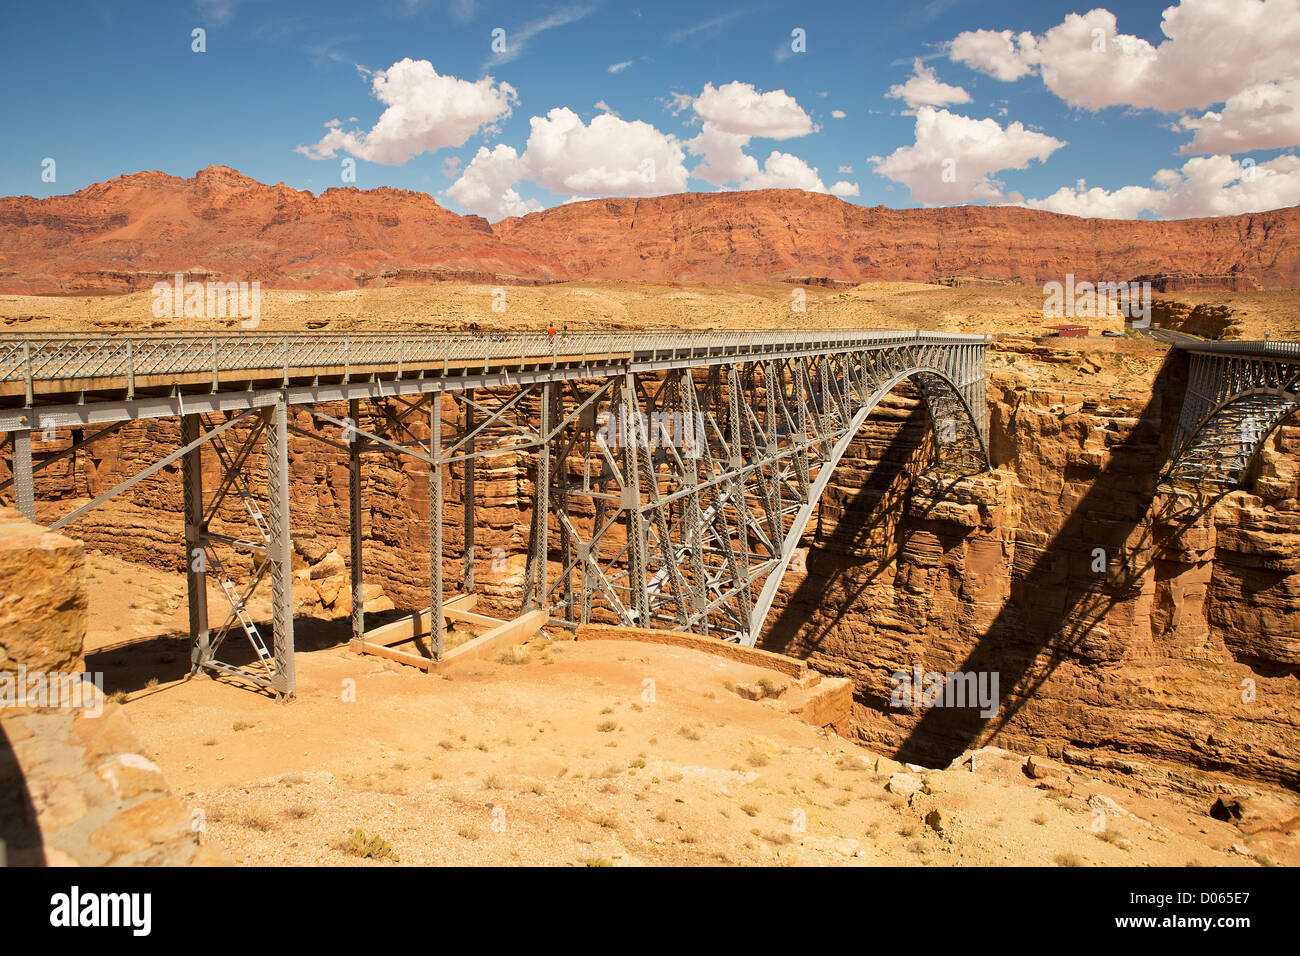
x=76 y=790
x=132 y=231
x=42 y=597
x=1190 y=282
x=75 y=786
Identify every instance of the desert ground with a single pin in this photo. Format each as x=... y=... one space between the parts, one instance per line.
x=554 y=755
x=977 y=308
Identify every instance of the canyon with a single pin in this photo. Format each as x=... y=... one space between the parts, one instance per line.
x=1173 y=668
x=134 y=230
x=1169 y=668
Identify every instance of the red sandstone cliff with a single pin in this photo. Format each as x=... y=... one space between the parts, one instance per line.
x=125 y=234
x=787 y=233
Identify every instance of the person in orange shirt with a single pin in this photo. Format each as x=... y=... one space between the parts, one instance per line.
x=550 y=333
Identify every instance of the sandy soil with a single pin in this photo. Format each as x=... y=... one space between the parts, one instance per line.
x=985 y=308
x=559 y=757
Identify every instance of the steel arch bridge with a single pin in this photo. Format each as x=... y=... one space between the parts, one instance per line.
x=1238 y=393
x=699 y=511
x=674 y=472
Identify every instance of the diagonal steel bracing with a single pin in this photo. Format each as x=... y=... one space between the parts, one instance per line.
x=684 y=497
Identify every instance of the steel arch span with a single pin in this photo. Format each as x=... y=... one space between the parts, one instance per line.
x=682 y=496
x=1238 y=393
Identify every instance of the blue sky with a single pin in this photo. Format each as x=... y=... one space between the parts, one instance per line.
x=1037 y=115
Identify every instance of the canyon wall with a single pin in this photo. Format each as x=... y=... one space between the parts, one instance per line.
x=132 y=231
x=1177 y=661
x=794 y=235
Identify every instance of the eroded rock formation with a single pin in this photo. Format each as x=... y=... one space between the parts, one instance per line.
x=1175 y=661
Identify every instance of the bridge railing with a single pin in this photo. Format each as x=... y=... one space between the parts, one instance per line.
x=1265 y=348
x=71 y=356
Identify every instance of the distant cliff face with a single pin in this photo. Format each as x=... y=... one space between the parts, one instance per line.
x=127 y=233
x=786 y=234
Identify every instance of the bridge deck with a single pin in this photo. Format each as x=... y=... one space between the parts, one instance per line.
x=1263 y=348
x=61 y=365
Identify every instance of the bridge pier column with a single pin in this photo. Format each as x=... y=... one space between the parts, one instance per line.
x=436 y=624
x=467 y=493
x=560 y=478
x=692 y=451
x=636 y=527
x=24 y=487
x=196 y=574
x=535 y=570
x=355 y=561
x=740 y=572
x=280 y=546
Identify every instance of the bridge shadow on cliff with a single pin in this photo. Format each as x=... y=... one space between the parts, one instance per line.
x=869 y=528
x=1057 y=606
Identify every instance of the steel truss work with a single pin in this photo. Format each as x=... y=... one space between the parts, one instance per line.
x=682 y=497
x=674 y=472
x=1238 y=393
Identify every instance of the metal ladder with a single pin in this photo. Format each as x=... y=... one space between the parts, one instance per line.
x=240 y=610
x=232 y=593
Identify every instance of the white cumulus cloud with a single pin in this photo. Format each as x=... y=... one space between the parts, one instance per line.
x=1213 y=49
x=954 y=157
x=739 y=108
x=734 y=114
x=1204 y=186
x=487 y=186
x=784 y=171
x=425 y=112
x=924 y=88
x=608 y=157
x=843 y=188
x=1004 y=55
x=1262 y=116
x=1127 y=202
x=725 y=159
